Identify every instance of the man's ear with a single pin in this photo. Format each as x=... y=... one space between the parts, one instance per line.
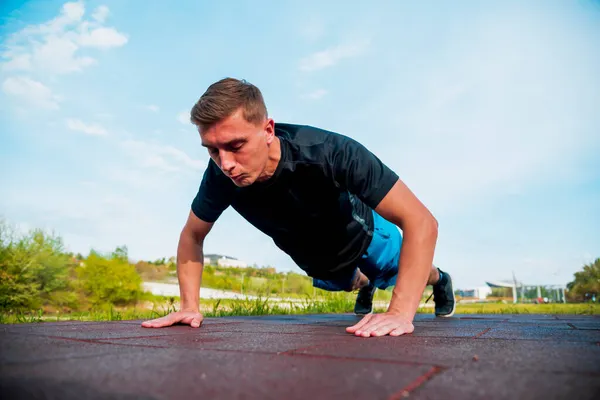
x=270 y=130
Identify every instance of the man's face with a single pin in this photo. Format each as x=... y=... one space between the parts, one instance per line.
x=239 y=148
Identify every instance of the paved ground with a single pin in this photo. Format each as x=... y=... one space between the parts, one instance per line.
x=305 y=357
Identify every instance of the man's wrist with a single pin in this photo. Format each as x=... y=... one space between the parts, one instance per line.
x=401 y=306
x=401 y=312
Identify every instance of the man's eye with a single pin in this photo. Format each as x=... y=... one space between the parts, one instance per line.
x=213 y=151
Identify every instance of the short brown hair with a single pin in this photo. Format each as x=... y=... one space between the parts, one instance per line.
x=223 y=98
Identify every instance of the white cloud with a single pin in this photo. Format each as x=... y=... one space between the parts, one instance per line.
x=74 y=10
x=18 y=62
x=88 y=129
x=101 y=37
x=70 y=14
x=183 y=158
x=333 y=55
x=317 y=94
x=55 y=47
x=152 y=107
x=100 y=14
x=165 y=158
x=57 y=55
x=32 y=92
x=184 y=117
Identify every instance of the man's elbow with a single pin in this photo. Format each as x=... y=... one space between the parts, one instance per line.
x=426 y=228
x=430 y=228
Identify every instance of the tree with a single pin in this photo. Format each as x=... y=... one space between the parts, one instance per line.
x=121 y=253
x=34 y=270
x=110 y=280
x=586 y=285
x=50 y=269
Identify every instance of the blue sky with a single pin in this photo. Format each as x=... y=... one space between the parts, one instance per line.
x=489 y=112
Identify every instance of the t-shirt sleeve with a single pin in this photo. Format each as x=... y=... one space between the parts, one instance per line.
x=358 y=170
x=214 y=194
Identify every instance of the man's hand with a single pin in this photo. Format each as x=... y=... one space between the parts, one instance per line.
x=188 y=317
x=381 y=325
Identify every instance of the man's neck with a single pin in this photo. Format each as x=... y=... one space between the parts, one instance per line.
x=273 y=160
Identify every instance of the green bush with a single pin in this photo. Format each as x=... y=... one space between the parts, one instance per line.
x=34 y=270
x=109 y=279
x=37 y=272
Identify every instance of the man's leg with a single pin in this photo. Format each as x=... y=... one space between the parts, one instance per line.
x=344 y=281
x=434 y=276
x=360 y=280
x=379 y=263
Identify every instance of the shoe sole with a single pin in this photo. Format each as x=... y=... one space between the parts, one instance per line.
x=363 y=313
x=451 y=313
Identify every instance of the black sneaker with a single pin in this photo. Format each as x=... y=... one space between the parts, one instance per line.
x=364 y=299
x=443 y=296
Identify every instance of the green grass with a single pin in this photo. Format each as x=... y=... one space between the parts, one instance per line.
x=334 y=303
x=330 y=304
x=495 y=308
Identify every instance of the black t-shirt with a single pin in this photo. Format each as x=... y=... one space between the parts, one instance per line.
x=317 y=205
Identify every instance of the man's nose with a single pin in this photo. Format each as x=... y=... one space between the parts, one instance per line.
x=227 y=162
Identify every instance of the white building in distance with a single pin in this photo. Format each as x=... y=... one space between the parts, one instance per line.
x=223 y=261
x=231 y=262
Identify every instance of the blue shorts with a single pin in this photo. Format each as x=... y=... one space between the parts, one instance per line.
x=379 y=263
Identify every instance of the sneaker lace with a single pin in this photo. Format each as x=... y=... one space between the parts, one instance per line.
x=429 y=298
x=438 y=294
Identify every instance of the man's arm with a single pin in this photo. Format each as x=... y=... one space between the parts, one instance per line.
x=420 y=230
x=190 y=263
x=190 y=260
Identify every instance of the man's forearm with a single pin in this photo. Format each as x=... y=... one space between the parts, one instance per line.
x=190 y=262
x=416 y=259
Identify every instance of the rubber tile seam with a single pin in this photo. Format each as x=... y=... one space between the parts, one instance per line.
x=417 y=383
x=482 y=333
x=285 y=333
x=100 y=341
x=347 y=358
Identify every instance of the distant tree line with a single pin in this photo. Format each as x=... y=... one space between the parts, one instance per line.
x=37 y=272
